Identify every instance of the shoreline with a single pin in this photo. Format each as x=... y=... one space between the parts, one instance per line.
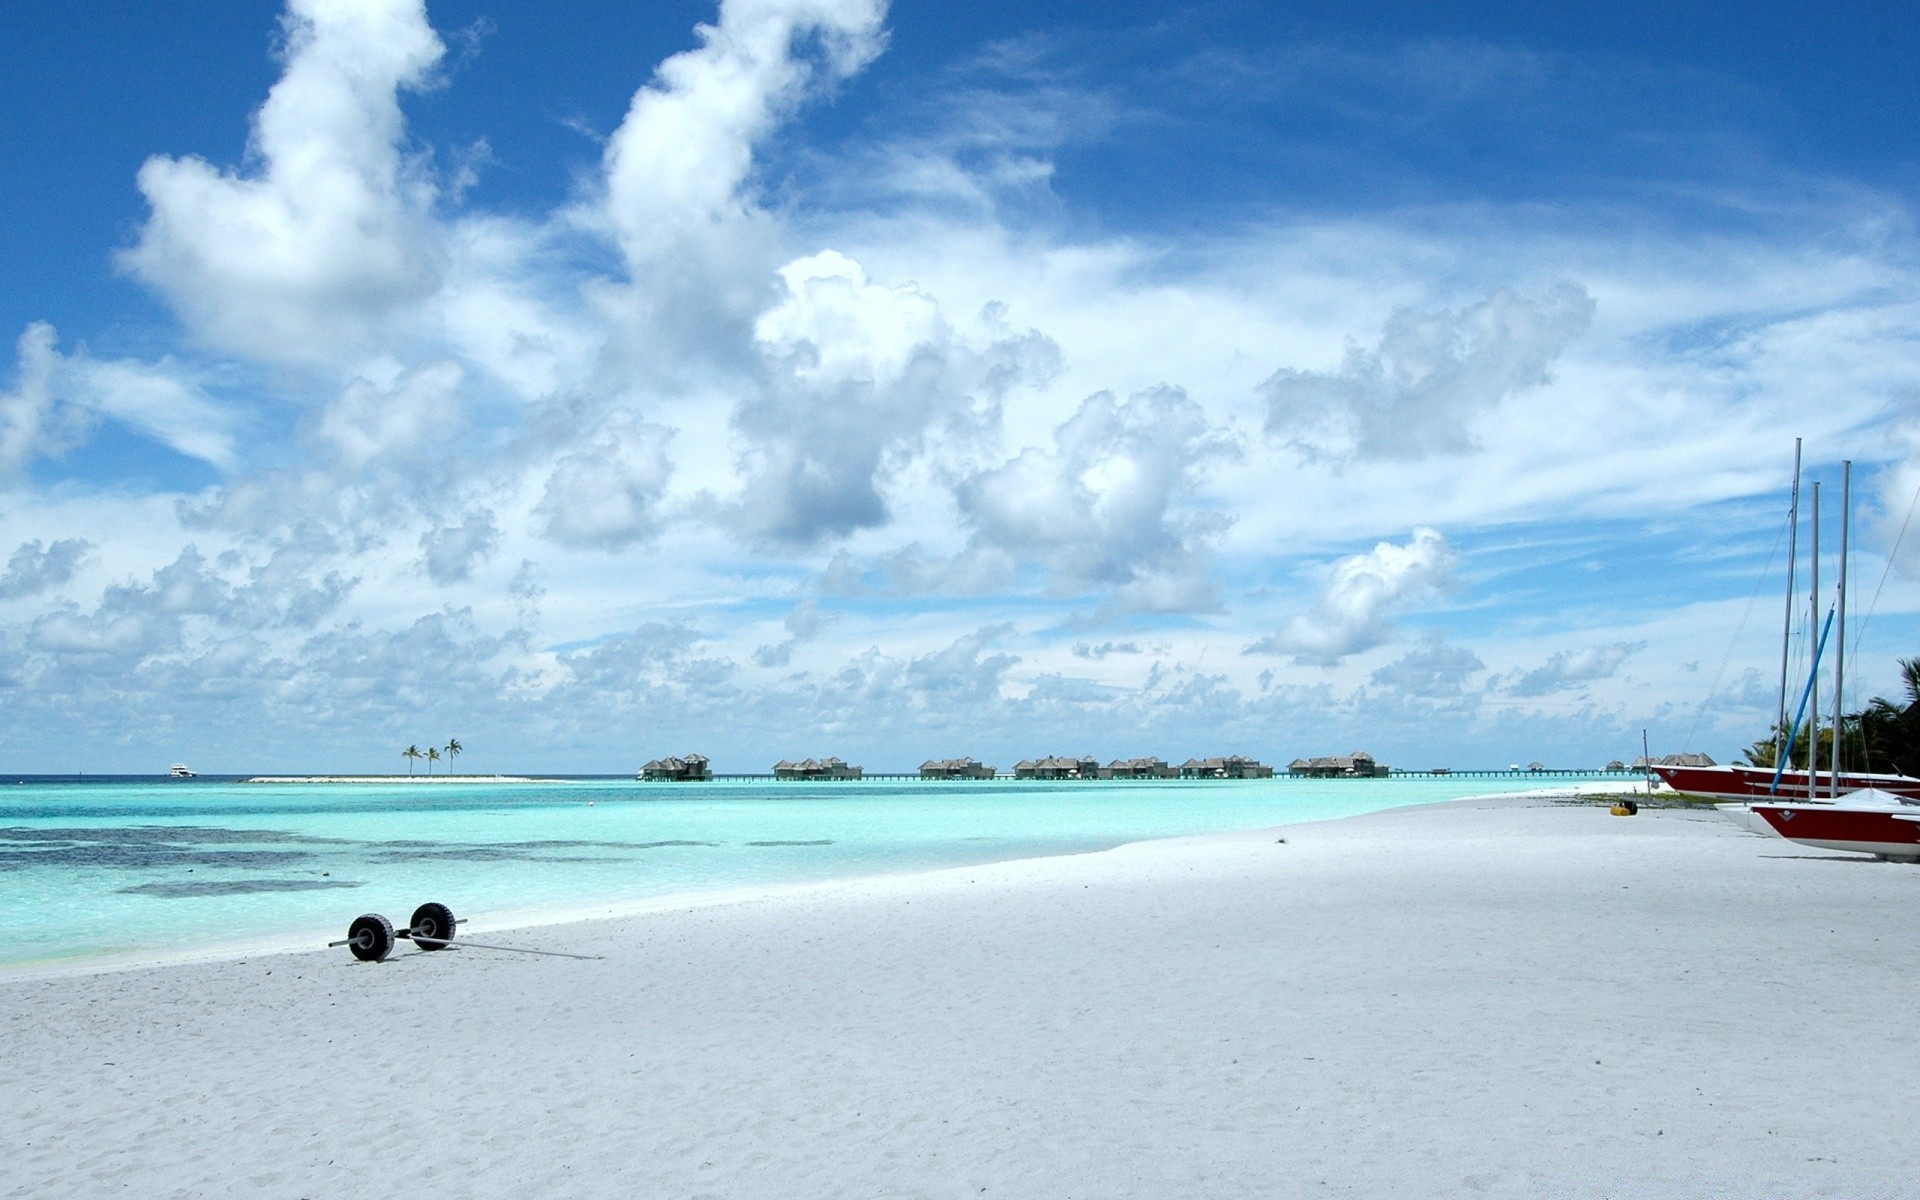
x=549 y=916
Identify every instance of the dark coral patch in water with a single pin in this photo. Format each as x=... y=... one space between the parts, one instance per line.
x=144 y=855
x=234 y=887
x=512 y=851
x=192 y=835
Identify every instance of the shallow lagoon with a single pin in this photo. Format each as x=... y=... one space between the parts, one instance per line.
x=153 y=867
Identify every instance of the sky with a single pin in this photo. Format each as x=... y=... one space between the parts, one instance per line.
x=781 y=378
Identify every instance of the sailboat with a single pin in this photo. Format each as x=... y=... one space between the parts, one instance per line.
x=1749 y=786
x=1869 y=821
x=1859 y=813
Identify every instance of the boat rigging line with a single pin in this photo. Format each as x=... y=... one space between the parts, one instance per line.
x=1840 y=648
x=1873 y=605
x=1793 y=545
x=1806 y=693
x=1753 y=597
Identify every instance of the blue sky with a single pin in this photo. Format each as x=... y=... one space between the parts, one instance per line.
x=927 y=380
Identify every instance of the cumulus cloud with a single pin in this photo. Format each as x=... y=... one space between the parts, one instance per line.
x=1088 y=650
x=1113 y=502
x=912 y=570
x=675 y=168
x=1566 y=670
x=858 y=373
x=606 y=496
x=963 y=670
x=139 y=620
x=803 y=623
x=1433 y=374
x=304 y=254
x=1435 y=669
x=1355 y=611
x=451 y=551
x=388 y=412
x=35 y=568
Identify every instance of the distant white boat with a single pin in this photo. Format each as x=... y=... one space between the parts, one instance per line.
x=179 y=771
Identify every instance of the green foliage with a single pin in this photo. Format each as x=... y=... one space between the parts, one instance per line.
x=1890 y=734
x=1881 y=737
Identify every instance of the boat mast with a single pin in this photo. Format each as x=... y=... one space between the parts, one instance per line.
x=1840 y=647
x=1813 y=623
x=1780 y=747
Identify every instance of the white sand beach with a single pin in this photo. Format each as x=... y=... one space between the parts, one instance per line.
x=1484 y=998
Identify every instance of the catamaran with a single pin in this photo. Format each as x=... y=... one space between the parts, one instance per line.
x=1853 y=811
x=1808 y=784
x=1747 y=784
x=1869 y=821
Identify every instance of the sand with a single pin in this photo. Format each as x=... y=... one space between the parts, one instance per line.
x=1499 y=998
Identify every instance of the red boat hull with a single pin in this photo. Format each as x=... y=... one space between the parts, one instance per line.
x=1885 y=834
x=1756 y=783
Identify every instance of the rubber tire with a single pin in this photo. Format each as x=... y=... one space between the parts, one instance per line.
x=434 y=920
x=378 y=942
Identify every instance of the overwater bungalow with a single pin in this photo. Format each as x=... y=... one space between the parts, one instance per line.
x=815 y=768
x=1233 y=766
x=1058 y=767
x=955 y=768
x=1138 y=768
x=684 y=768
x=1358 y=765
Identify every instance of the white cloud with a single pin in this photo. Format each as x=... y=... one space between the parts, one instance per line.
x=676 y=167
x=834 y=326
x=607 y=494
x=155 y=401
x=1088 y=650
x=1355 y=611
x=391 y=413
x=59 y=397
x=31 y=422
x=1435 y=669
x=304 y=256
x=858 y=375
x=1114 y=502
x=1566 y=670
x=35 y=568
x=451 y=551
x=1433 y=374
x=804 y=622
x=964 y=670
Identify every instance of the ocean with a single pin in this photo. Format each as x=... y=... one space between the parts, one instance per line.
x=151 y=868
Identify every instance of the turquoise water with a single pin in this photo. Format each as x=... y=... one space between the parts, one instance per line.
x=162 y=866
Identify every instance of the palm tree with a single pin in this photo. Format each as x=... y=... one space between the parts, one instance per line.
x=433 y=756
x=411 y=753
x=453 y=752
